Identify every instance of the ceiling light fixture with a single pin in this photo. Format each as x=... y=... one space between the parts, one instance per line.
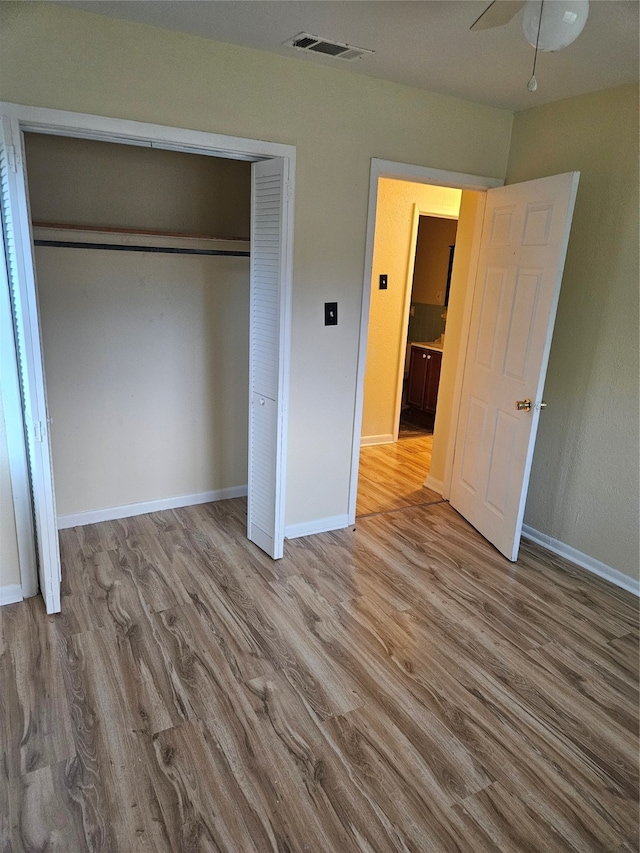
x=552 y=27
x=554 y=24
x=548 y=25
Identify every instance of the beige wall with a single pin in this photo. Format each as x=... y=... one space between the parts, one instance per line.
x=84 y=182
x=146 y=359
x=432 y=259
x=9 y=566
x=387 y=330
x=584 y=483
x=55 y=56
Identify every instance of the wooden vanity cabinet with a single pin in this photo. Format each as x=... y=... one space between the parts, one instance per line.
x=424 y=378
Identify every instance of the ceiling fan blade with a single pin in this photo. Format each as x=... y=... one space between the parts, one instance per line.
x=497 y=14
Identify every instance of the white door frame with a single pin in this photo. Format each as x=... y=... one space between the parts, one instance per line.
x=109 y=129
x=416 y=175
x=406 y=307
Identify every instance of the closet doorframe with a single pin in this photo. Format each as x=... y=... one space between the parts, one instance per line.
x=84 y=126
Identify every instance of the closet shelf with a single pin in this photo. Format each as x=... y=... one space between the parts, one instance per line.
x=136 y=240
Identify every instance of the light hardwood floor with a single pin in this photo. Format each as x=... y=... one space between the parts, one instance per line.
x=392 y=476
x=400 y=687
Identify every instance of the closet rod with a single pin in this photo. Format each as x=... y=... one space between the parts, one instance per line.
x=142 y=232
x=120 y=247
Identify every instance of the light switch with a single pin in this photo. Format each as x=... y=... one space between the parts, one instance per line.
x=331 y=313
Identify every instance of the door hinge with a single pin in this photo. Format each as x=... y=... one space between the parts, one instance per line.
x=39 y=431
x=11 y=158
x=288 y=191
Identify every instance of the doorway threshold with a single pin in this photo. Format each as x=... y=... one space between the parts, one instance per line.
x=439 y=500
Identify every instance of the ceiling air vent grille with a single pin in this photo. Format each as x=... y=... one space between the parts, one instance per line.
x=315 y=44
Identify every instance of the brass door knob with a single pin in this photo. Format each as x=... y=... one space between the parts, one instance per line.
x=523 y=405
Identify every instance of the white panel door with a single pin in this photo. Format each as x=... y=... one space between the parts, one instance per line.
x=268 y=343
x=522 y=253
x=16 y=229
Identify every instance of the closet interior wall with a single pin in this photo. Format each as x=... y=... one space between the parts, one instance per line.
x=146 y=351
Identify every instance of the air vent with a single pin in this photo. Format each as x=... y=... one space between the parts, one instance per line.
x=305 y=41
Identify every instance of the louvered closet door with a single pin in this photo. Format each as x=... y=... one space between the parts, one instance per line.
x=267 y=358
x=22 y=284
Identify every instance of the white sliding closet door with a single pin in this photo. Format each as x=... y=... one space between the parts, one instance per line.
x=24 y=300
x=268 y=357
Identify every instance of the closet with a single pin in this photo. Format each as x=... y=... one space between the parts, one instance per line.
x=142 y=261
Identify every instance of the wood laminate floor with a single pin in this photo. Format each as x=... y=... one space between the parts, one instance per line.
x=391 y=476
x=400 y=687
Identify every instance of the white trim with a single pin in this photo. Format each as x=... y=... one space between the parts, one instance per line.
x=17 y=450
x=111 y=513
x=408 y=293
x=320 y=525
x=433 y=484
x=129 y=132
x=10 y=594
x=413 y=174
x=583 y=560
x=426 y=175
x=368 y=440
x=406 y=308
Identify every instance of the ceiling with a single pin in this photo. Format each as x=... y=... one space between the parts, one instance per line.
x=424 y=43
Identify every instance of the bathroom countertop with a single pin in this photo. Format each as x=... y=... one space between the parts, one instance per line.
x=435 y=345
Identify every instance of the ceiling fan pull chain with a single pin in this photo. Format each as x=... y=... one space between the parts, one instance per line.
x=532 y=85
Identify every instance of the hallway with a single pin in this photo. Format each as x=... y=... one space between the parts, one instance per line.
x=392 y=476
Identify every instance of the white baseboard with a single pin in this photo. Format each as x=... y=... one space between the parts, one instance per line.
x=366 y=440
x=583 y=560
x=321 y=525
x=433 y=484
x=111 y=513
x=10 y=593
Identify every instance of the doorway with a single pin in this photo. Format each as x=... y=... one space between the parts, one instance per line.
x=390 y=314
x=272 y=223
x=515 y=268
x=414 y=235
